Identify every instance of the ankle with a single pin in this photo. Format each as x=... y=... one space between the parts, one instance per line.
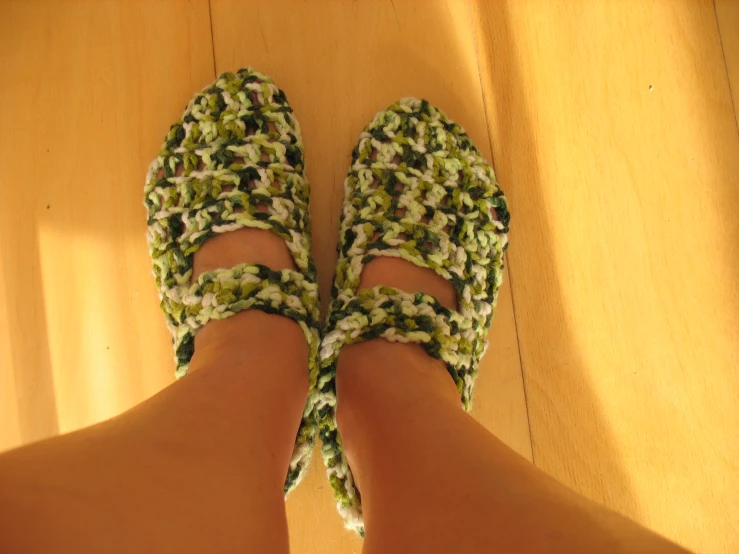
x=249 y=372
x=380 y=384
x=264 y=353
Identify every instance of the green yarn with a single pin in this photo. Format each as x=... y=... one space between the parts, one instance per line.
x=419 y=190
x=240 y=151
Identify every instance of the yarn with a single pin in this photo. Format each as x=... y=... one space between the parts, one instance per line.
x=418 y=190
x=234 y=160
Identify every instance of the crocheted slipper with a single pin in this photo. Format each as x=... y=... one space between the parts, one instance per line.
x=234 y=160
x=418 y=190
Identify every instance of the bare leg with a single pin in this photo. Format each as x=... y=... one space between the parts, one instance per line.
x=199 y=467
x=433 y=479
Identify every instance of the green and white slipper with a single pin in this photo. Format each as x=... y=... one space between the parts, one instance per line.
x=419 y=190
x=234 y=160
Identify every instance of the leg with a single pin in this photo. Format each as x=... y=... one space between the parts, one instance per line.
x=433 y=479
x=200 y=467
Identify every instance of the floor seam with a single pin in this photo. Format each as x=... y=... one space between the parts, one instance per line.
x=510 y=271
x=212 y=38
x=726 y=65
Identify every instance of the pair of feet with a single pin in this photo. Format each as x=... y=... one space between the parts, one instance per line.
x=423 y=230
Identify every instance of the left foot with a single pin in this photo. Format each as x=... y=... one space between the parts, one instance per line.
x=229 y=228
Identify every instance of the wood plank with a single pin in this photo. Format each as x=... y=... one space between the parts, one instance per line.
x=612 y=123
x=89 y=90
x=727 y=13
x=339 y=63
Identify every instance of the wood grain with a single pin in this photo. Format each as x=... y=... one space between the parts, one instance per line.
x=339 y=63
x=727 y=13
x=89 y=90
x=613 y=124
x=613 y=133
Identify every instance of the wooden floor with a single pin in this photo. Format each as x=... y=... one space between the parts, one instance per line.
x=615 y=352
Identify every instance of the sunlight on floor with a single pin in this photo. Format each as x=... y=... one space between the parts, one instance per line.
x=613 y=132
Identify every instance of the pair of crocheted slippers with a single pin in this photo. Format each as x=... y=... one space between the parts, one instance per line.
x=417 y=189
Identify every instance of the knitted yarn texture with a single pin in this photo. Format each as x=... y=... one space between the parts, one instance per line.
x=234 y=160
x=417 y=189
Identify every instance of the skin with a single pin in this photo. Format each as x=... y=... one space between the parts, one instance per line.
x=200 y=466
x=403 y=428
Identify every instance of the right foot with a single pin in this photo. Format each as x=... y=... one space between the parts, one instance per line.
x=423 y=232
